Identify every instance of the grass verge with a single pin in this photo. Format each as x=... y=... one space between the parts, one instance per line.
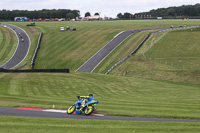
x=32 y=125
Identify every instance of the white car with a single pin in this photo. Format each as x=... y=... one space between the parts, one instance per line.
x=62 y=28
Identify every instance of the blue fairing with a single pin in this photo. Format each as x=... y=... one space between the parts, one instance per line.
x=83 y=105
x=87 y=103
x=78 y=112
x=78 y=101
x=92 y=102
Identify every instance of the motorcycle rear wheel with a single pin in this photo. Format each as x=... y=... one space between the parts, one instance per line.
x=89 y=110
x=71 y=109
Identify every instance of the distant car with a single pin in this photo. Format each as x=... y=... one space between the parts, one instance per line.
x=172 y=26
x=32 y=24
x=181 y=26
x=62 y=28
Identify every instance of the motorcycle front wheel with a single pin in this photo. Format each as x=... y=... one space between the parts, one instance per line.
x=71 y=109
x=89 y=110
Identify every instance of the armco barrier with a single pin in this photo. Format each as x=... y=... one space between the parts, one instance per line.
x=36 y=70
x=141 y=44
x=36 y=51
x=121 y=61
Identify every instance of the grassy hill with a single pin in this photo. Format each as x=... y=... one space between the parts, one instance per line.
x=175 y=57
x=140 y=87
x=72 y=49
x=69 y=49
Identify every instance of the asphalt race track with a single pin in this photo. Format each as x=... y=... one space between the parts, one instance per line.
x=22 y=48
x=97 y=58
x=41 y=114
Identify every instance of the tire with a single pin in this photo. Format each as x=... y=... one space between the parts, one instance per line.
x=89 y=110
x=71 y=109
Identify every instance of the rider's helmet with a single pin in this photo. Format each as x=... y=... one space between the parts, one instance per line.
x=90 y=95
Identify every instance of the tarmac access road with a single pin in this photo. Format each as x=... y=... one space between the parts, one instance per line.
x=22 y=48
x=98 y=57
x=41 y=114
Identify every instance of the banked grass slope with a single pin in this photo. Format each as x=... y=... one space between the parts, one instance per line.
x=175 y=57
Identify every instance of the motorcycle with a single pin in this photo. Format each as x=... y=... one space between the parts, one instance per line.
x=83 y=107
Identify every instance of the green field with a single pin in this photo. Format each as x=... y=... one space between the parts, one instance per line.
x=8 y=44
x=175 y=57
x=32 y=125
x=158 y=82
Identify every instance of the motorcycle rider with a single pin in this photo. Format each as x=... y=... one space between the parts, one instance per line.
x=89 y=99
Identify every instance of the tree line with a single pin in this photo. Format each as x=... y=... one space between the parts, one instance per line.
x=44 y=13
x=181 y=11
x=184 y=10
x=126 y=15
x=88 y=14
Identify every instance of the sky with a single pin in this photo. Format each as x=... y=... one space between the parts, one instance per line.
x=106 y=8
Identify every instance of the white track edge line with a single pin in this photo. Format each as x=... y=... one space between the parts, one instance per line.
x=99 y=50
x=110 y=53
x=56 y=111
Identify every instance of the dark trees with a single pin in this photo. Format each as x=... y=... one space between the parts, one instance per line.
x=87 y=14
x=44 y=13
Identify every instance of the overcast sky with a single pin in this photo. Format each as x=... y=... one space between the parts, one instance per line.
x=108 y=8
